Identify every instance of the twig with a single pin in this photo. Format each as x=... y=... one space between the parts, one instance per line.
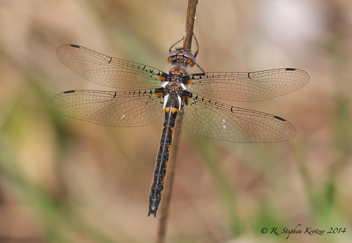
x=191 y=16
x=191 y=13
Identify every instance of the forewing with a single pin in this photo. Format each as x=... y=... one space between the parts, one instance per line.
x=108 y=71
x=109 y=108
x=220 y=121
x=250 y=86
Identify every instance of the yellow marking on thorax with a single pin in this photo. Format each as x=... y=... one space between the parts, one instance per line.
x=190 y=62
x=160 y=94
x=179 y=71
x=174 y=110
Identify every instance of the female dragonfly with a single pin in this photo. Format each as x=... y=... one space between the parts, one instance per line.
x=146 y=92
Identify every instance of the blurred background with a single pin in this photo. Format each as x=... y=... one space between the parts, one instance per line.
x=65 y=180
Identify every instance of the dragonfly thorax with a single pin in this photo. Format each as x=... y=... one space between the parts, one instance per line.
x=173 y=93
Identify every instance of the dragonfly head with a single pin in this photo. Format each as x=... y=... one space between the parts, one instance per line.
x=181 y=57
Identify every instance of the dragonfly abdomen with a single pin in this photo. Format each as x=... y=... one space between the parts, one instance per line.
x=162 y=159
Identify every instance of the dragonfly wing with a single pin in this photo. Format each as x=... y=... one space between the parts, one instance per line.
x=110 y=108
x=221 y=121
x=250 y=86
x=108 y=71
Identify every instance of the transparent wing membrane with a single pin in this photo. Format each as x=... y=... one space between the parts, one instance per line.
x=204 y=116
x=108 y=71
x=249 y=86
x=217 y=120
x=110 y=108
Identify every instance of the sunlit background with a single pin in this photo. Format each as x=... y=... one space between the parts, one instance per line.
x=65 y=180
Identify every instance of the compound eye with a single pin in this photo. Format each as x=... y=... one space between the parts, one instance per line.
x=172 y=53
x=189 y=56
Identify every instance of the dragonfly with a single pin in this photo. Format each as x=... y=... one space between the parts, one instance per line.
x=143 y=93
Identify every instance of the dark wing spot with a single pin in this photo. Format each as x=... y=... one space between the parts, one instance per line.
x=290 y=69
x=75 y=46
x=69 y=91
x=279 y=118
x=249 y=75
x=110 y=60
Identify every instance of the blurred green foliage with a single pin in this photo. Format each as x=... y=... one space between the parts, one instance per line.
x=63 y=180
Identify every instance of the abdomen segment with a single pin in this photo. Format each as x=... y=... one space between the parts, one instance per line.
x=162 y=160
